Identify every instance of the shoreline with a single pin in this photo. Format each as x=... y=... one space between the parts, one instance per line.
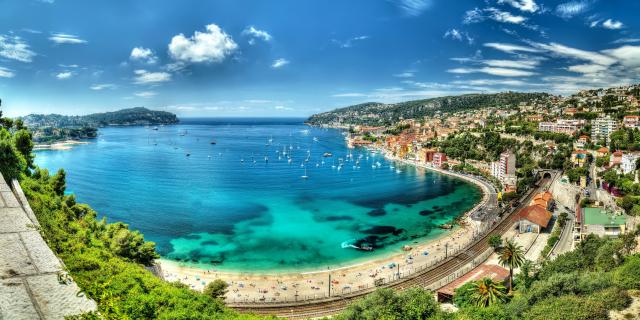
x=270 y=286
x=59 y=146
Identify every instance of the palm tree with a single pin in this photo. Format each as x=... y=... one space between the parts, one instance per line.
x=486 y=292
x=512 y=256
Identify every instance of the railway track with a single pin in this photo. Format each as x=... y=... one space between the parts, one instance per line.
x=424 y=279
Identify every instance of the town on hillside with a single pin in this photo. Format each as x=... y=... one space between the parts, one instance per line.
x=593 y=137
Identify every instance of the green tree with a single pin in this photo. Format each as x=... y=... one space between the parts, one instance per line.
x=495 y=241
x=486 y=292
x=511 y=256
x=12 y=163
x=24 y=144
x=216 y=289
x=60 y=182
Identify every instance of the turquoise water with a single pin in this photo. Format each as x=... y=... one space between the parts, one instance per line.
x=217 y=207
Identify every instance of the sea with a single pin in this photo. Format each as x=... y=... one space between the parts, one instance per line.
x=259 y=195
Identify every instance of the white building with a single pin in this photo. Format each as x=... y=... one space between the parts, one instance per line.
x=628 y=163
x=601 y=129
x=631 y=121
x=566 y=126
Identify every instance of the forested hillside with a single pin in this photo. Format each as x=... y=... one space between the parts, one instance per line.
x=374 y=113
x=125 y=117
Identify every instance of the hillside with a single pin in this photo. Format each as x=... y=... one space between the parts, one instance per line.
x=374 y=113
x=124 y=117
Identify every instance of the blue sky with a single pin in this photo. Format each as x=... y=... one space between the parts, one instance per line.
x=296 y=58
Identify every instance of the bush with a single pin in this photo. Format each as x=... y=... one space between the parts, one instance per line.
x=411 y=304
x=568 y=307
x=627 y=276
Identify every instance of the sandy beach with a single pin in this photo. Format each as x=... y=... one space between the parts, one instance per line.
x=290 y=287
x=59 y=146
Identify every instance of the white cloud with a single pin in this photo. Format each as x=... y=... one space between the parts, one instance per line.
x=146 y=77
x=626 y=40
x=572 y=8
x=6 y=73
x=64 y=75
x=15 y=48
x=283 y=108
x=63 y=38
x=612 y=24
x=254 y=34
x=479 y=15
x=458 y=35
x=628 y=56
x=564 y=51
x=102 y=86
x=492 y=82
x=502 y=72
x=349 y=42
x=510 y=48
x=413 y=7
x=517 y=64
x=145 y=94
x=279 y=63
x=406 y=74
x=503 y=16
x=587 y=68
x=523 y=5
x=143 y=54
x=212 y=46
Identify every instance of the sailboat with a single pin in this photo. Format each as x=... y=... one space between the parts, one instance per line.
x=305 y=174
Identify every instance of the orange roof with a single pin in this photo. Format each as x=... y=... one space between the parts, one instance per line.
x=580 y=151
x=618 y=153
x=546 y=196
x=495 y=273
x=633 y=117
x=537 y=215
x=603 y=150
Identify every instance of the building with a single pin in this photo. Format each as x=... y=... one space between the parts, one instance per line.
x=616 y=158
x=628 y=162
x=601 y=223
x=566 y=126
x=507 y=164
x=428 y=155
x=601 y=129
x=602 y=152
x=631 y=122
x=493 y=272
x=544 y=200
x=533 y=218
x=439 y=159
x=579 y=157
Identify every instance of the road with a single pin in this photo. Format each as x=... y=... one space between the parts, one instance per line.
x=565 y=243
x=428 y=277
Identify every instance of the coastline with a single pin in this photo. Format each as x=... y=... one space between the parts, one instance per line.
x=59 y=146
x=312 y=284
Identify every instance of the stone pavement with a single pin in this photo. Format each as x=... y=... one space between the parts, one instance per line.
x=29 y=271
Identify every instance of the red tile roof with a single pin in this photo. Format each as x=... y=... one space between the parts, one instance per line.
x=537 y=215
x=491 y=271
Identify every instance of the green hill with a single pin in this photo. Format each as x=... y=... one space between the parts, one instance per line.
x=124 y=117
x=375 y=113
